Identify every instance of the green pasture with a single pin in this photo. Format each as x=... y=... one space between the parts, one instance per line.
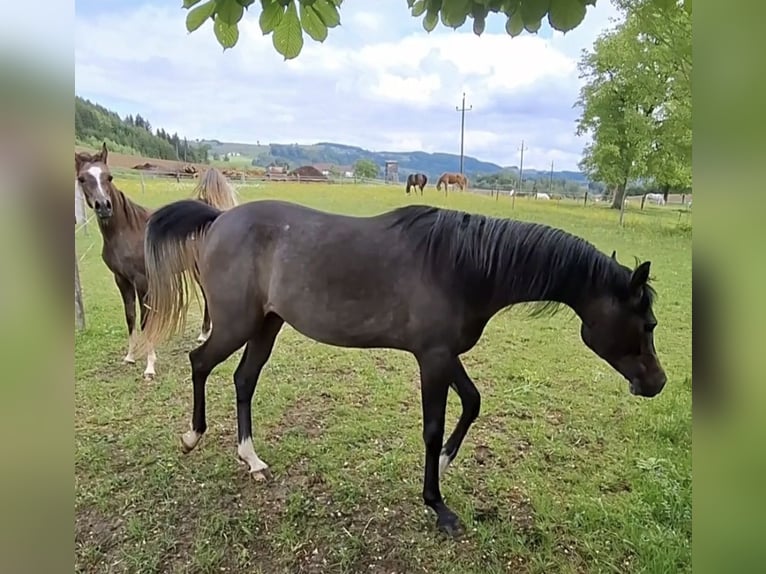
x=564 y=471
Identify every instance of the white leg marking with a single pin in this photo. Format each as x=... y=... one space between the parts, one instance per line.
x=247 y=454
x=204 y=336
x=444 y=462
x=190 y=439
x=129 y=358
x=151 y=357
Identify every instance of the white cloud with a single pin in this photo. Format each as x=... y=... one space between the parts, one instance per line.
x=378 y=81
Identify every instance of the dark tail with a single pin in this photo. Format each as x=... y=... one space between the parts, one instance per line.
x=170 y=250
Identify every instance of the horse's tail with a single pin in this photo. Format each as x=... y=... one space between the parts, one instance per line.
x=173 y=233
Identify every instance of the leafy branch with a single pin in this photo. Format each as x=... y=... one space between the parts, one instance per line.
x=287 y=20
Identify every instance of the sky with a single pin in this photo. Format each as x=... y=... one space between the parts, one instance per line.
x=379 y=80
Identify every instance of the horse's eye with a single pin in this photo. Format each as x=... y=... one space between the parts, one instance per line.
x=110 y=178
x=81 y=179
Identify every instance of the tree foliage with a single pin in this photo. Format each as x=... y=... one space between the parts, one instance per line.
x=366 y=168
x=95 y=124
x=287 y=20
x=636 y=103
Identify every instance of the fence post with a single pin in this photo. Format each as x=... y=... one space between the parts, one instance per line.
x=143 y=189
x=79 y=311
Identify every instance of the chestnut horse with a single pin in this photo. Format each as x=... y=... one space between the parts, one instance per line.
x=448 y=178
x=122 y=223
x=416 y=180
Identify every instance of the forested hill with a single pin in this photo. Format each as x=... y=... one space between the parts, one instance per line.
x=94 y=124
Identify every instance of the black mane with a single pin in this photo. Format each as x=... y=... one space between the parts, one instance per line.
x=490 y=258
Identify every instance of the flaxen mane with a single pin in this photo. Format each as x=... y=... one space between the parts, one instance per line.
x=492 y=257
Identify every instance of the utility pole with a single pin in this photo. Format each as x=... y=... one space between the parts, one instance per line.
x=462 y=111
x=550 y=185
x=521 y=167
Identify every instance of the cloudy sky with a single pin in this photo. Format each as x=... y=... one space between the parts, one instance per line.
x=379 y=81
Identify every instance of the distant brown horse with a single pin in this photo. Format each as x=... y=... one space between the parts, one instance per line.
x=122 y=223
x=448 y=178
x=416 y=180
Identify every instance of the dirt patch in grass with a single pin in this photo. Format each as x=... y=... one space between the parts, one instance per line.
x=99 y=533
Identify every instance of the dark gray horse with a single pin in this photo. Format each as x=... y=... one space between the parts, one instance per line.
x=415 y=180
x=418 y=279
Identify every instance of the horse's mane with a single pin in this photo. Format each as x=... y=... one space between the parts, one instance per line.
x=492 y=258
x=135 y=215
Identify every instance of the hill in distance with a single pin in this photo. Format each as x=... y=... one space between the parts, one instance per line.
x=432 y=164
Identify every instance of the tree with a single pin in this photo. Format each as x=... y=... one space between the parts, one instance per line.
x=287 y=20
x=365 y=169
x=636 y=102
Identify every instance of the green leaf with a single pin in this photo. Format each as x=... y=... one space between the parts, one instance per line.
x=430 y=21
x=229 y=11
x=288 y=36
x=454 y=12
x=245 y=3
x=190 y=3
x=271 y=16
x=226 y=34
x=515 y=24
x=533 y=26
x=312 y=23
x=565 y=15
x=327 y=12
x=478 y=25
x=197 y=16
x=418 y=8
x=533 y=11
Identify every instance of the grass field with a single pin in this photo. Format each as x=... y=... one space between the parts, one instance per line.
x=564 y=471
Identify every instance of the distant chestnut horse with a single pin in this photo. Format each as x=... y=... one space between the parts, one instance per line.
x=416 y=180
x=448 y=178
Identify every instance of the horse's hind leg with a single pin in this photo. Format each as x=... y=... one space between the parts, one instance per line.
x=471 y=402
x=219 y=346
x=128 y=294
x=256 y=354
x=206 y=326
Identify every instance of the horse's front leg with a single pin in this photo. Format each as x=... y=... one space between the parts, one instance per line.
x=437 y=368
x=128 y=294
x=151 y=356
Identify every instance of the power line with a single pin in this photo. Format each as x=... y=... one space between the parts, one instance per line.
x=462 y=111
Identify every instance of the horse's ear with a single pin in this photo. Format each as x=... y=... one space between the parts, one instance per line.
x=614 y=255
x=640 y=276
x=104 y=153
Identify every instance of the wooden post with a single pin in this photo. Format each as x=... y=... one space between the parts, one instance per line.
x=79 y=311
x=143 y=189
x=622 y=207
x=585 y=202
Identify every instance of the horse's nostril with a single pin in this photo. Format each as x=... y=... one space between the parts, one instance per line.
x=108 y=204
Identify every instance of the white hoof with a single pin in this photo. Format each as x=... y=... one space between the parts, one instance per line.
x=129 y=360
x=189 y=440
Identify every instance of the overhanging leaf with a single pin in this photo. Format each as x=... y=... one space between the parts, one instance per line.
x=327 y=12
x=479 y=23
x=229 y=11
x=533 y=11
x=418 y=8
x=190 y=3
x=430 y=21
x=312 y=23
x=288 y=36
x=533 y=26
x=565 y=15
x=197 y=16
x=515 y=24
x=226 y=34
x=271 y=15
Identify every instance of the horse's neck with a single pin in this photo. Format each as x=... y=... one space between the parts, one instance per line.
x=126 y=215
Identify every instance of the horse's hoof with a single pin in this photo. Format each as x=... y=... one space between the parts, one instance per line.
x=129 y=361
x=148 y=376
x=449 y=524
x=189 y=441
x=263 y=475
